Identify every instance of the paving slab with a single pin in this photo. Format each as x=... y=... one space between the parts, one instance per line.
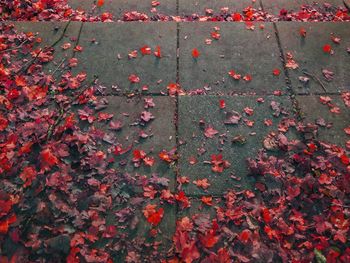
x=309 y=53
x=198 y=148
x=107 y=46
x=314 y=111
x=50 y=32
x=118 y=7
x=141 y=228
x=157 y=135
x=189 y=7
x=275 y=6
x=253 y=52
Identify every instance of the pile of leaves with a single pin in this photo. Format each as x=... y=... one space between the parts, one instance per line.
x=59 y=196
x=48 y=10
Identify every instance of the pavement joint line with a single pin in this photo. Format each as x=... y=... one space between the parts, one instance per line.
x=292 y=94
x=176 y=113
x=198 y=197
x=319 y=94
x=261 y=5
x=129 y=95
x=207 y=95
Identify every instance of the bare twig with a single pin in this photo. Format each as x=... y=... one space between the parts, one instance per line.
x=30 y=62
x=315 y=79
x=82 y=92
x=62 y=111
x=344 y=206
x=14 y=48
x=346 y=5
x=26 y=66
x=61 y=36
x=63 y=60
x=56 y=123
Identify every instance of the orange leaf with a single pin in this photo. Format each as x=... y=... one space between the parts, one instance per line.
x=302 y=32
x=20 y=81
x=202 y=183
x=158 y=52
x=208 y=200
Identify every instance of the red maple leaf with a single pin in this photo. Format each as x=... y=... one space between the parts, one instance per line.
x=195 y=53
x=48 y=158
x=215 y=35
x=210 y=238
x=5 y=224
x=218 y=164
x=276 y=72
x=28 y=175
x=3 y=123
x=138 y=155
x=148 y=161
x=5 y=207
x=153 y=215
x=266 y=215
x=327 y=48
x=141 y=156
x=247 y=78
x=174 y=88
x=185 y=247
x=210 y=132
x=237 y=17
x=208 y=200
x=134 y=78
x=245 y=236
x=167 y=156
x=325 y=179
x=183 y=199
x=202 y=183
x=222 y=104
x=145 y=50
x=184 y=224
x=234 y=75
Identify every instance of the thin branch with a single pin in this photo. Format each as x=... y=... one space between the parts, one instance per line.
x=14 y=48
x=61 y=36
x=63 y=60
x=30 y=62
x=55 y=124
x=315 y=79
x=62 y=111
x=346 y=5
